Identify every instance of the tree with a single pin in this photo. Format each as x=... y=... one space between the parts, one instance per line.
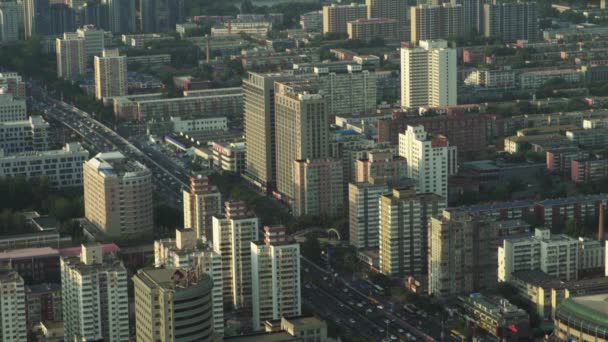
x=311 y=248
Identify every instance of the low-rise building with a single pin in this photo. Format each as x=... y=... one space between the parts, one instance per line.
x=25 y=135
x=63 y=168
x=318 y=187
x=588 y=170
x=537 y=288
x=199 y=124
x=588 y=138
x=139 y=41
x=536 y=79
x=497 y=316
x=559 y=159
x=229 y=156
x=492 y=79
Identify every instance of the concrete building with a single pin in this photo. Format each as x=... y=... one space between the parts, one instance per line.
x=63 y=168
x=318 y=187
x=12 y=306
x=230 y=156
x=200 y=124
x=13 y=83
x=94 y=295
x=535 y=79
x=588 y=170
x=428 y=75
x=432 y=22
x=70 y=57
x=275 y=269
x=201 y=202
x=118 y=196
x=94 y=40
x=366 y=30
x=312 y=21
x=497 y=316
x=110 y=74
x=302 y=130
x=25 y=135
x=9 y=21
x=511 y=21
x=380 y=164
x=352 y=91
x=173 y=305
x=287 y=329
x=390 y=9
x=43 y=303
x=335 y=17
x=187 y=252
x=429 y=160
x=404 y=215
x=554 y=254
x=582 y=318
x=232 y=234
x=12 y=108
x=591 y=256
x=461 y=253
x=364 y=212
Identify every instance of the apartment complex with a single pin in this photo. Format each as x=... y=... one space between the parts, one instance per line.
x=232 y=234
x=461 y=253
x=404 y=216
x=428 y=74
x=336 y=17
x=275 y=269
x=302 y=131
x=12 y=306
x=9 y=21
x=24 y=135
x=511 y=21
x=390 y=9
x=429 y=160
x=186 y=252
x=201 y=202
x=94 y=40
x=432 y=22
x=318 y=187
x=312 y=21
x=110 y=74
x=94 y=296
x=43 y=303
x=118 y=196
x=379 y=165
x=555 y=254
x=71 y=57
x=63 y=168
x=13 y=83
x=364 y=212
x=11 y=107
x=173 y=305
x=367 y=30
x=351 y=91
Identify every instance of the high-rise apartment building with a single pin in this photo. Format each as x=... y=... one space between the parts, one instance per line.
x=25 y=135
x=312 y=21
x=336 y=16
x=94 y=296
x=351 y=91
x=404 y=215
x=435 y=22
x=12 y=108
x=429 y=160
x=302 y=130
x=380 y=165
x=461 y=253
x=275 y=267
x=160 y=15
x=36 y=17
x=201 y=202
x=363 y=212
x=390 y=9
x=367 y=30
x=70 y=57
x=472 y=16
x=173 y=305
x=9 y=21
x=554 y=254
x=110 y=74
x=511 y=21
x=62 y=19
x=118 y=196
x=187 y=252
x=232 y=235
x=428 y=75
x=121 y=16
x=318 y=187
x=94 y=40
x=12 y=306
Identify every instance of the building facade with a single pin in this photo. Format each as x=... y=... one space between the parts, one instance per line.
x=201 y=202
x=336 y=17
x=432 y=22
x=511 y=21
x=25 y=135
x=12 y=307
x=318 y=187
x=70 y=57
x=12 y=108
x=110 y=74
x=390 y=9
x=367 y=30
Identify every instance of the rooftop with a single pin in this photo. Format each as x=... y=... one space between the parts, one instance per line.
x=27 y=253
x=115 y=163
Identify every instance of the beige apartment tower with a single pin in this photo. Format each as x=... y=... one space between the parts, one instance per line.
x=302 y=130
x=318 y=187
x=462 y=253
x=275 y=267
x=71 y=57
x=390 y=9
x=110 y=74
x=336 y=16
x=201 y=202
x=404 y=215
x=118 y=196
x=232 y=235
x=12 y=306
x=173 y=305
x=367 y=30
x=435 y=22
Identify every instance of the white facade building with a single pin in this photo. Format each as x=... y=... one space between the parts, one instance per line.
x=554 y=254
x=186 y=251
x=63 y=168
x=94 y=297
x=199 y=124
x=275 y=269
x=429 y=160
x=12 y=307
x=428 y=74
x=11 y=108
x=25 y=135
